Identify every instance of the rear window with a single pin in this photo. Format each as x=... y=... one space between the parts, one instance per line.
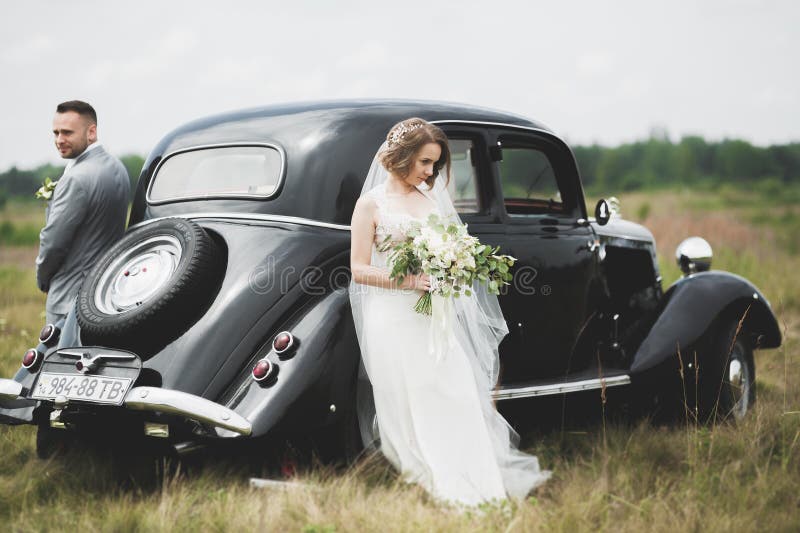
x=239 y=171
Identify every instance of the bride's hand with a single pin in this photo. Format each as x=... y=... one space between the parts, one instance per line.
x=417 y=282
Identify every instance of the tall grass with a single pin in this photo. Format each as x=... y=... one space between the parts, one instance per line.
x=608 y=475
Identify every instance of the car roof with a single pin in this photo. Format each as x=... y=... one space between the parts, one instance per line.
x=328 y=146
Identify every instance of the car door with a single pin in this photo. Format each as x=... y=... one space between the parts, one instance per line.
x=543 y=215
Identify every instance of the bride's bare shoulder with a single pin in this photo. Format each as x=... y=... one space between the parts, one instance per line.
x=366 y=210
x=366 y=202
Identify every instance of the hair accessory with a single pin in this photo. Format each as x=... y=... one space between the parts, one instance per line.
x=400 y=131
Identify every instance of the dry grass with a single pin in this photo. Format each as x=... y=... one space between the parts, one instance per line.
x=607 y=476
x=758 y=252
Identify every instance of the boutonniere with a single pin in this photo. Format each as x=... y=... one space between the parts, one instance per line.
x=45 y=192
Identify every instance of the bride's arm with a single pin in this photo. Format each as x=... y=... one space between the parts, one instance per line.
x=362 y=235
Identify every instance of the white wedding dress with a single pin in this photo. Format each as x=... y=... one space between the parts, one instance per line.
x=436 y=419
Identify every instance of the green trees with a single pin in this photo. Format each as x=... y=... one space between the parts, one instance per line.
x=15 y=182
x=659 y=162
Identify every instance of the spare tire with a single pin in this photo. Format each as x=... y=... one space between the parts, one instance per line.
x=150 y=287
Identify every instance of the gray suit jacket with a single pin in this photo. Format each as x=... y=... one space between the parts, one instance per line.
x=86 y=215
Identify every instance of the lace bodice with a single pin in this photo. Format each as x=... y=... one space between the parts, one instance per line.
x=392 y=219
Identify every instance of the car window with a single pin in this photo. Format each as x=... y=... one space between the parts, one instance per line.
x=529 y=182
x=463 y=186
x=249 y=171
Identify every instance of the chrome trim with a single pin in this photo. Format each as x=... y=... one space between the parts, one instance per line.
x=278 y=185
x=90 y=363
x=187 y=405
x=510 y=393
x=250 y=216
x=153 y=429
x=495 y=125
x=739 y=382
x=184 y=448
x=10 y=389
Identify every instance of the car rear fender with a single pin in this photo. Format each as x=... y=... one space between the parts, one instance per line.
x=15 y=411
x=21 y=410
x=314 y=382
x=691 y=305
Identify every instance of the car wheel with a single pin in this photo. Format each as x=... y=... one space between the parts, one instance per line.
x=728 y=381
x=147 y=289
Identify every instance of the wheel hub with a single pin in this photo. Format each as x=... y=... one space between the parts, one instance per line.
x=739 y=382
x=138 y=274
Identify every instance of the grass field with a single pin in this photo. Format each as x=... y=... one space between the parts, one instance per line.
x=607 y=475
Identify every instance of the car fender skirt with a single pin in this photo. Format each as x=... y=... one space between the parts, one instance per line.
x=187 y=405
x=690 y=306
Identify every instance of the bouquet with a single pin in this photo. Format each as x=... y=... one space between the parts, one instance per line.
x=452 y=258
x=45 y=192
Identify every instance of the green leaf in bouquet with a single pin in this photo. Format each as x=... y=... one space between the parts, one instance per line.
x=386 y=244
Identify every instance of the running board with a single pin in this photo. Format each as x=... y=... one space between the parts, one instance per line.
x=511 y=393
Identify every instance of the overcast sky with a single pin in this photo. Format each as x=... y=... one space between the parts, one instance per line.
x=594 y=71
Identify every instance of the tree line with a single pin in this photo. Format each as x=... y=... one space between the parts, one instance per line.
x=651 y=163
x=19 y=183
x=659 y=162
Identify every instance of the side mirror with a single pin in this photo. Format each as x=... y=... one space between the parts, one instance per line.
x=602 y=212
x=694 y=255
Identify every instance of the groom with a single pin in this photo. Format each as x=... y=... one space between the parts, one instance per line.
x=86 y=213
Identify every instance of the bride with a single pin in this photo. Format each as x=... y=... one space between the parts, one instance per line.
x=431 y=376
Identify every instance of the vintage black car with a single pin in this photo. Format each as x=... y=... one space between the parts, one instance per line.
x=223 y=314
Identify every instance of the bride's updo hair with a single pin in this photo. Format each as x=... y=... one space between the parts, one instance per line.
x=404 y=141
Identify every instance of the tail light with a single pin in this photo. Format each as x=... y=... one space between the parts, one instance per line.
x=49 y=334
x=262 y=370
x=284 y=342
x=31 y=358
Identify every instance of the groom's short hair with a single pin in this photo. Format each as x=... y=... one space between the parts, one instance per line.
x=79 y=107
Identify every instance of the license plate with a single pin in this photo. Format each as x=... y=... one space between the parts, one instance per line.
x=96 y=389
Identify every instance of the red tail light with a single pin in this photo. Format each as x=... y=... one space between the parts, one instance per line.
x=31 y=358
x=284 y=341
x=262 y=370
x=49 y=334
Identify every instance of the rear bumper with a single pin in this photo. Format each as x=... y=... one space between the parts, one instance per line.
x=10 y=390
x=158 y=400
